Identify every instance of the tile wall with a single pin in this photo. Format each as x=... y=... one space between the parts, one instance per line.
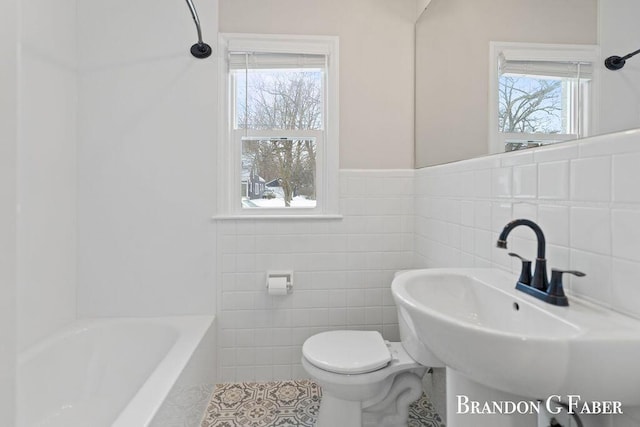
x=585 y=196
x=342 y=275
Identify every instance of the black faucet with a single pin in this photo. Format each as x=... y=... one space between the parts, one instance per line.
x=540 y=272
x=538 y=286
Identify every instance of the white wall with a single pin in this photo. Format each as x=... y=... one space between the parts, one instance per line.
x=8 y=201
x=584 y=195
x=46 y=169
x=452 y=64
x=146 y=156
x=376 y=67
x=619 y=35
x=342 y=276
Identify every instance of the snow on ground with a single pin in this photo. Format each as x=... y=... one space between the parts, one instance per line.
x=297 y=202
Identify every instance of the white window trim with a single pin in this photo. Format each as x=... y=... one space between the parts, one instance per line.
x=229 y=152
x=539 y=52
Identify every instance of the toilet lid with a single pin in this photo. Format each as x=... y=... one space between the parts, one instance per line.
x=347 y=352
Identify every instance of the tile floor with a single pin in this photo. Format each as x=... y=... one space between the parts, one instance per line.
x=284 y=404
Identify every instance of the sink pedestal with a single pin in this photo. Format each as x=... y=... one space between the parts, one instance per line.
x=463 y=411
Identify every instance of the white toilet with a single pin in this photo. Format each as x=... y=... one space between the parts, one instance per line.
x=365 y=381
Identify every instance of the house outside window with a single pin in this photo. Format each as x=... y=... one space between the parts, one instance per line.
x=540 y=94
x=281 y=133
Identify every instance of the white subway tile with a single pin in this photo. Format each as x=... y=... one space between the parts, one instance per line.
x=281 y=372
x=483 y=244
x=596 y=285
x=355 y=316
x=467 y=239
x=525 y=210
x=626 y=234
x=482 y=183
x=591 y=230
x=467 y=213
x=501 y=215
x=501 y=182
x=373 y=315
x=558 y=257
x=525 y=181
x=556 y=152
x=620 y=142
x=515 y=158
x=591 y=179
x=337 y=316
x=356 y=298
x=625 y=290
x=525 y=247
x=553 y=180
x=554 y=221
x=626 y=178
x=482 y=215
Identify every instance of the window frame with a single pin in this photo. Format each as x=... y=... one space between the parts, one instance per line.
x=540 y=52
x=327 y=150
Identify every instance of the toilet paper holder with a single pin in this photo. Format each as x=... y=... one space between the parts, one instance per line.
x=276 y=278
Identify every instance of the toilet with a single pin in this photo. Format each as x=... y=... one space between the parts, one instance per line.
x=365 y=380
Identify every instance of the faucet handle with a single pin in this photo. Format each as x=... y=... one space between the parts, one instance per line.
x=555 y=286
x=525 y=273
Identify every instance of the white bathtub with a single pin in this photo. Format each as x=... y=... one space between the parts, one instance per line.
x=116 y=372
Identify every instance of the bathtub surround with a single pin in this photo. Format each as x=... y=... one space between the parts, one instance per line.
x=145 y=239
x=47 y=169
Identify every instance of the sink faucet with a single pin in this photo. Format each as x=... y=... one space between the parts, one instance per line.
x=540 y=271
x=539 y=287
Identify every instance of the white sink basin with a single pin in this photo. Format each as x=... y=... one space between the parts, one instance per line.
x=475 y=322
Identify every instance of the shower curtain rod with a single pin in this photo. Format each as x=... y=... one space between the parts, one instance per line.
x=616 y=62
x=200 y=49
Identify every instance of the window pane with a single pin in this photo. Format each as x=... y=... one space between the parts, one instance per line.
x=532 y=105
x=279 y=99
x=278 y=172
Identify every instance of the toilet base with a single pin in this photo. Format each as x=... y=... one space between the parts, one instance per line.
x=339 y=412
x=391 y=410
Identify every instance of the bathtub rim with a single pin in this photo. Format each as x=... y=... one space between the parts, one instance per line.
x=151 y=394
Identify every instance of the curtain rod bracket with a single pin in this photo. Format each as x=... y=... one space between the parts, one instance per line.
x=201 y=49
x=616 y=62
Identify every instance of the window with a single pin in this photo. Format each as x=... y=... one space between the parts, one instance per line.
x=540 y=94
x=281 y=125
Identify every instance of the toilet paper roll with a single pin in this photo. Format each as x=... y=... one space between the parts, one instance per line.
x=277 y=286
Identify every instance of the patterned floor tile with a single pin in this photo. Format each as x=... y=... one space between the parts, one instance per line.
x=292 y=403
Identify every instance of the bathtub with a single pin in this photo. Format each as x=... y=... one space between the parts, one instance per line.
x=120 y=372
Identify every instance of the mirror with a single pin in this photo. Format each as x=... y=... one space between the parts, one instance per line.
x=454 y=52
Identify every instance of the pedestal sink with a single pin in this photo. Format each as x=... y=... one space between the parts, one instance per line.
x=474 y=322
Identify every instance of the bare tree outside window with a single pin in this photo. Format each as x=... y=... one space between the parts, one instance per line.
x=530 y=105
x=281 y=100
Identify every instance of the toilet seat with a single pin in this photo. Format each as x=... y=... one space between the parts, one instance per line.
x=359 y=351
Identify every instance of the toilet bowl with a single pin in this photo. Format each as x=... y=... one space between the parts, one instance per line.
x=365 y=381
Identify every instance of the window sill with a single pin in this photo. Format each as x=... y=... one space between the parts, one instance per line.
x=278 y=217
